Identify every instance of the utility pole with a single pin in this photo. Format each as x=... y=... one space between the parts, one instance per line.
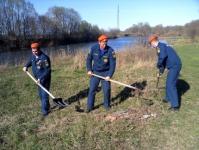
x=118 y=17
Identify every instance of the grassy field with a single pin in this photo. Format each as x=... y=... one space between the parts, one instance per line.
x=134 y=121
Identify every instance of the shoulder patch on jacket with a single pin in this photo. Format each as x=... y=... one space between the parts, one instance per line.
x=158 y=51
x=46 y=63
x=113 y=54
x=89 y=52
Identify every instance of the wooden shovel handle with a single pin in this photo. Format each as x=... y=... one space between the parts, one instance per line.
x=39 y=84
x=117 y=82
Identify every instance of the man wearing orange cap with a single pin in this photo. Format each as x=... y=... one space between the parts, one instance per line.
x=168 y=58
x=101 y=61
x=41 y=69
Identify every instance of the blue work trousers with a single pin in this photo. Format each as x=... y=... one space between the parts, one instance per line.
x=44 y=97
x=106 y=86
x=171 y=89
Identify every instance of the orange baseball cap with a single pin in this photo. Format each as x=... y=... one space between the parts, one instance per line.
x=35 y=45
x=152 y=38
x=103 y=37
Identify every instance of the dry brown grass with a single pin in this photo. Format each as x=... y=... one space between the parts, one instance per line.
x=60 y=57
x=138 y=55
x=2 y=67
x=79 y=60
x=75 y=60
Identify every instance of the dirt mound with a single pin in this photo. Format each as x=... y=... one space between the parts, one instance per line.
x=129 y=114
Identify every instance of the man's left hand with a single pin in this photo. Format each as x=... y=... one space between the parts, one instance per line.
x=107 y=78
x=159 y=75
x=38 y=81
x=25 y=69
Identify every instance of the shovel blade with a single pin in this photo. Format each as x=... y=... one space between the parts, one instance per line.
x=78 y=108
x=59 y=102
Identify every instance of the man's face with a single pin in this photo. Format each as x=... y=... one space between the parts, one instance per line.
x=103 y=44
x=35 y=51
x=154 y=44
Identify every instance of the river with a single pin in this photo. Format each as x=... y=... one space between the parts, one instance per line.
x=18 y=57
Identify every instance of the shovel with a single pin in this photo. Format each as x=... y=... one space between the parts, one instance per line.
x=137 y=90
x=57 y=101
x=157 y=82
x=117 y=82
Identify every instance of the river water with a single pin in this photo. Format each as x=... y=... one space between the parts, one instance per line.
x=18 y=57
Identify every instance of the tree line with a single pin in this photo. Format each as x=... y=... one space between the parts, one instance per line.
x=144 y=29
x=20 y=24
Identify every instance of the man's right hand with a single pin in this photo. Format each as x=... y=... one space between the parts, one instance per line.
x=159 y=75
x=25 y=69
x=89 y=73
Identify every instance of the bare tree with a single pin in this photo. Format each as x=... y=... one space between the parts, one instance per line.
x=192 y=29
x=45 y=26
x=20 y=24
x=158 y=29
x=17 y=19
x=66 y=21
x=142 y=30
x=87 y=32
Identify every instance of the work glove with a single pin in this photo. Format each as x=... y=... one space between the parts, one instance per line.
x=157 y=51
x=38 y=81
x=159 y=75
x=107 y=78
x=89 y=73
x=161 y=70
x=25 y=69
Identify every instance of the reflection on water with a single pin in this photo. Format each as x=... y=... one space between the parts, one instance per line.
x=18 y=57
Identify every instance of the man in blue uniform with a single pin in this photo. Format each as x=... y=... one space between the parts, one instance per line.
x=168 y=58
x=41 y=69
x=101 y=60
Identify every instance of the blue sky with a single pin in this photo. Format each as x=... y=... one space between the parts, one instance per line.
x=103 y=13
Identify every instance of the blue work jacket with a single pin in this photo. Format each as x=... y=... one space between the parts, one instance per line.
x=167 y=57
x=101 y=60
x=41 y=66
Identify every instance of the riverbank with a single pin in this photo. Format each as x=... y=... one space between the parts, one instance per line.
x=19 y=56
x=133 y=122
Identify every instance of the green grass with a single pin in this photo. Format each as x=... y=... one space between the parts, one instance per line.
x=21 y=126
x=180 y=130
